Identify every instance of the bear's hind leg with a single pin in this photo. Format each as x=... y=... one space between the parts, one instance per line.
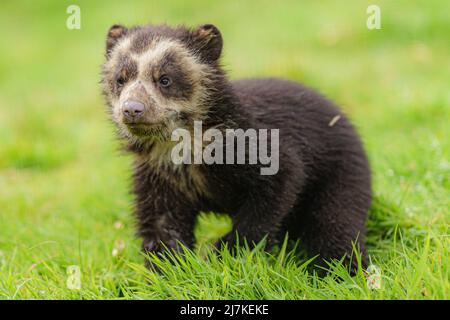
x=329 y=219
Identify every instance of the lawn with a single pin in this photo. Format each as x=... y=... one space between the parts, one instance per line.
x=64 y=184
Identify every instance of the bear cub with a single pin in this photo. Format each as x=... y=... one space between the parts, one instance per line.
x=158 y=78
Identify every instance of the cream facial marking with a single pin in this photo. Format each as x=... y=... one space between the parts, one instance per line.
x=152 y=57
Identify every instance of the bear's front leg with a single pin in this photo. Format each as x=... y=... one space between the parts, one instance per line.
x=254 y=222
x=169 y=237
x=166 y=216
x=165 y=232
x=263 y=211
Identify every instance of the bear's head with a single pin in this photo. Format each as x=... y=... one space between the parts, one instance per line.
x=157 y=78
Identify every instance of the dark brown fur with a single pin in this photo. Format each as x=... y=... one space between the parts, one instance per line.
x=320 y=195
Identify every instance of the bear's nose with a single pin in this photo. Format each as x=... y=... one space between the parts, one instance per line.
x=132 y=110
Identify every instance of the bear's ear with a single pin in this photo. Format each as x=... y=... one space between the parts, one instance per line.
x=116 y=32
x=207 y=42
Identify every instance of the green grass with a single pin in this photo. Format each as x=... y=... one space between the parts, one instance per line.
x=64 y=186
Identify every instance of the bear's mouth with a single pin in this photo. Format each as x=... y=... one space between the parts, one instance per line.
x=141 y=128
x=146 y=130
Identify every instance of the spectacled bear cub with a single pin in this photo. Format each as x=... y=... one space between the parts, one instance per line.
x=157 y=78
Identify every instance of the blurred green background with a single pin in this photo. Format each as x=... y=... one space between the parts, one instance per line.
x=64 y=185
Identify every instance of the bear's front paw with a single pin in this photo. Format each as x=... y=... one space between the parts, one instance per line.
x=152 y=245
x=157 y=247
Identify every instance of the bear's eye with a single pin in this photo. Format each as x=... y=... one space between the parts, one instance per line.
x=120 y=82
x=165 y=81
